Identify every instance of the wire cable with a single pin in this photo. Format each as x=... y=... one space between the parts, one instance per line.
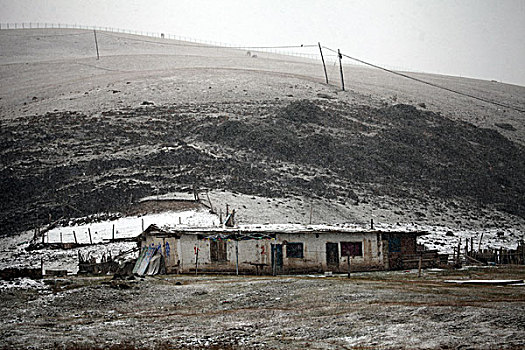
x=197 y=44
x=50 y=35
x=272 y=47
x=431 y=84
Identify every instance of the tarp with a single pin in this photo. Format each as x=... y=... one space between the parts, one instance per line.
x=144 y=260
x=156 y=265
x=140 y=259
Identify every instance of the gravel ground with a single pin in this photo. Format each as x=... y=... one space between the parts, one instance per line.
x=394 y=310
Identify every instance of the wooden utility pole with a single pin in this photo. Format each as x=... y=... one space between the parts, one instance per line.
x=420 y=265
x=196 y=260
x=75 y=237
x=274 y=262
x=322 y=59
x=341 y=69
x=90 y=240
x=237 y=257
x=459 y=250
x=96 y=43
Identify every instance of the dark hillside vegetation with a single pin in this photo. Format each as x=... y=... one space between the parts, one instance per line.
x=69 y=164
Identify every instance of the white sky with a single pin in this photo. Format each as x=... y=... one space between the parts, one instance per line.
x=472 y=38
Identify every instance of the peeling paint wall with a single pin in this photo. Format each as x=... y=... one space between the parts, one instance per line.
x=255 y=255
x=315 y=252
x=252 y=254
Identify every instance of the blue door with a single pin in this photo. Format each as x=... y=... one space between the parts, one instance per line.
x=277 y=258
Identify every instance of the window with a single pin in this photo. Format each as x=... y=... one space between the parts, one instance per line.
x=218 y=250
x=294 y=250
x=394 y=244
x=351 y=249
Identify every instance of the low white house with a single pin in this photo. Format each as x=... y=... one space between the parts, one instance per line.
x=277 y=249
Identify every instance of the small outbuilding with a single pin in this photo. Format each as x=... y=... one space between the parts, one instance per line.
x=278 y=249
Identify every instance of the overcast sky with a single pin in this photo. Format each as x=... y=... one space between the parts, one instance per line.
x=472 y=38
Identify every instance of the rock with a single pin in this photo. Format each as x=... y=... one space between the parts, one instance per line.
x=505 y=126
x=322 y=95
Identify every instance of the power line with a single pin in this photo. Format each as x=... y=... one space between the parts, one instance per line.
x=431 y=84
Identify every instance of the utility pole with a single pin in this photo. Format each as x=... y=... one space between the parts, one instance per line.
x=96 y=43
x=341 y=69
x=322 y=59
x=237 y=256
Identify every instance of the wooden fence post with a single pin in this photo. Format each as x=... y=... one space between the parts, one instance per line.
x=96 y=42
x=341 y=69
x=196 y=260
x=322 y=59
x=237 y=257
x=479 y=243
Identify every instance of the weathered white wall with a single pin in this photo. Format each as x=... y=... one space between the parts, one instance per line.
x=169 y=249
x=250 y=252
x=315 y=251
x=259 y=252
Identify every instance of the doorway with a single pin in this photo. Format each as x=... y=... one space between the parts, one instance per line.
x=332 y=254
x=277 y=258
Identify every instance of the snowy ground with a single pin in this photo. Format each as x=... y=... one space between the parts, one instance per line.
x=15 y=255
x=130 y=226
x=393 y=310
x=56 y=69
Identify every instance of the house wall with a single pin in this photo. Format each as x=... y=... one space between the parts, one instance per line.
x=379 y=251
x=251 y=253
x=405 y=245
x=169 y=248
x=256 y=255
x=315 y=258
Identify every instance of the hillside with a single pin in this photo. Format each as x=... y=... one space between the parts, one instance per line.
x=81 y=135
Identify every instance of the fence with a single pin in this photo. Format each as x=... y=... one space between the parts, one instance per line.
x=162 y=35
x=331 y=58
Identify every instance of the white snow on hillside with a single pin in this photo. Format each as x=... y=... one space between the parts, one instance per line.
x=130 y=226
x=15 y=254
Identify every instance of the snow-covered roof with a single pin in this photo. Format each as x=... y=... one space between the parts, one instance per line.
x=288 y=228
